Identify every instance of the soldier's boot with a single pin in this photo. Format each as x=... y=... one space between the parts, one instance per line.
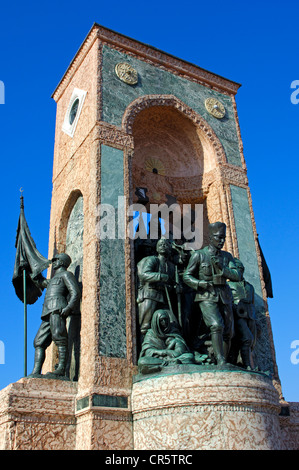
x=226 y=348
x=39 y=358
x=62 y=359
x=217 y=343
x=246 y=357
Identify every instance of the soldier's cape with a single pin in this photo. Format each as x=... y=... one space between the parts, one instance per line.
x=266 y=274
x=28 y=258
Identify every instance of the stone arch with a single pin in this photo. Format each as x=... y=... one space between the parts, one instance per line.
x=144 y=102
x=71 y=230
x=189 y=136
x=65 y=215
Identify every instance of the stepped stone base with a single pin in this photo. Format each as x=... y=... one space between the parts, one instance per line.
x=47 y=414
x=199 y=408
x=38 y=414
x=212 y=410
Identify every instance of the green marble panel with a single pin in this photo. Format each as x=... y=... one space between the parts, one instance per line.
x=112 y=262
x=117 y=95
x=110 y=401
x=74 y=239
x=246 y=242
x=107 y=401
x=248 y=256
x=74 y=248
x=82 y=403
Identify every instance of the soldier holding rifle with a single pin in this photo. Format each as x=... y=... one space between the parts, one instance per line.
x=207 y=273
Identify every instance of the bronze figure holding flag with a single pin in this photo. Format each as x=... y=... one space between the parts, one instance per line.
x=61 y=300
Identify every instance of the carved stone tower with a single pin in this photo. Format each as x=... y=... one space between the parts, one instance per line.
x=131 y=116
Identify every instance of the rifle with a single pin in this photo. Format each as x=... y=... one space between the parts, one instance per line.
x=172 y=315
x=177 y=280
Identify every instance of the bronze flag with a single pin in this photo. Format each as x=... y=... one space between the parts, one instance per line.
x=28 y=258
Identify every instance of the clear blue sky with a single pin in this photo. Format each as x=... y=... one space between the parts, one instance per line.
x=252 y=42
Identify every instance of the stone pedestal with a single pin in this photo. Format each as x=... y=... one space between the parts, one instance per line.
x=199 y=408
x=47 y=414
x=38 y=414
x=104 y=422
x=206 y=410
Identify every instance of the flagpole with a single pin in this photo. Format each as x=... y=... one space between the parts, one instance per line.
x=29 y=263
x=25 y=303
x=25 y=323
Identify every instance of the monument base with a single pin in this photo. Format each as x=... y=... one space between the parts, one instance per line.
x=38 y=414
x=206 y=409
x=47 y=414
x=198 y=408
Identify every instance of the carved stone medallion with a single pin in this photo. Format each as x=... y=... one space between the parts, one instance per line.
x=215 y=108
x=126 y=73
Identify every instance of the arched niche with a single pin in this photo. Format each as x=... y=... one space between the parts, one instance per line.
x=74 y=237
x=71 y=217
x=176 y=155
x=167 y=152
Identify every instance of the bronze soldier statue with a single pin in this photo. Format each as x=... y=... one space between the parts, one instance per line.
x=156 y=276
x=61 y=300
x=244 y=317
x=207 y=272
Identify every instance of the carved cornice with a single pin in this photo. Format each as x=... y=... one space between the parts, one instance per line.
x=112 y=135
x=232 y=174
x=269 y=409
x=41 y=418
x=151 y=55
x=75 y=63
x=161 y=58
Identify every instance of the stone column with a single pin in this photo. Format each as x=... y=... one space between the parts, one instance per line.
x=103 y=401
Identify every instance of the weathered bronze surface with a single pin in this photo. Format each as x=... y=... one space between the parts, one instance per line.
x=61 y=300
x=193 y=288
x=163 y=345
x=207 y=272
x=244 y=319
x=201 y=300
x=156 y=282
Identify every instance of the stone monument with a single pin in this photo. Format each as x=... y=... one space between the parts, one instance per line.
x=137 y=125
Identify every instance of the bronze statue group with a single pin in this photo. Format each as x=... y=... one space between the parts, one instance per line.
x=194 y=307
